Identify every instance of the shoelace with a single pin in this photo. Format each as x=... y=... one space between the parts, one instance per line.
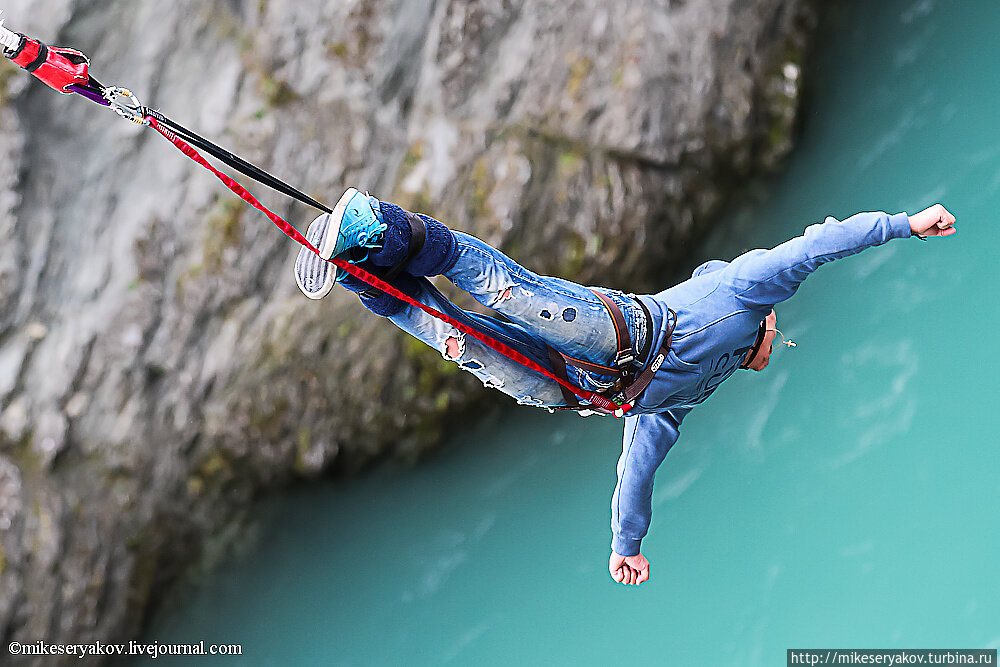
x=359 y=235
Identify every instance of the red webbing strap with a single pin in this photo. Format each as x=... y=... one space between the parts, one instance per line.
x=375 y=281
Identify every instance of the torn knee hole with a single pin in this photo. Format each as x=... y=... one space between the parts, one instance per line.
x=505 y=294
x=453 y=348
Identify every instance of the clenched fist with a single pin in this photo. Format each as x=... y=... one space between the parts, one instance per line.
x=629 y=570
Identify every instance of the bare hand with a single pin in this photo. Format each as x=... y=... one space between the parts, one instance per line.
x=933 y=221
x=629 y=570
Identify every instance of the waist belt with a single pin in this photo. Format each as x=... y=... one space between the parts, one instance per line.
x=630 y=383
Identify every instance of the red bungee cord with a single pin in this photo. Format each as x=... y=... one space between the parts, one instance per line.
x=67 y=71
x=358 y=272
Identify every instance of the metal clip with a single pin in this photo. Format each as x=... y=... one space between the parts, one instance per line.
x=624 y=357
x=124 y=103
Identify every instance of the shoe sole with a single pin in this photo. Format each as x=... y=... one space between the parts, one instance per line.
x=314 y=275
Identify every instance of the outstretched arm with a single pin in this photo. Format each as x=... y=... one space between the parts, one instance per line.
x=762 y=278
x=647 y=440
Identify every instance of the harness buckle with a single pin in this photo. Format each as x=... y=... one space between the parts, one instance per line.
x=624 y=357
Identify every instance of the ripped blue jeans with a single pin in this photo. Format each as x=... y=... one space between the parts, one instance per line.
x=538 y=309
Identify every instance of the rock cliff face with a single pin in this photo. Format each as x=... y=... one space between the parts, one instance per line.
x=158 y=367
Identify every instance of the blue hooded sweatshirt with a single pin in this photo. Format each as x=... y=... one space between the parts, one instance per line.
x=719 y=310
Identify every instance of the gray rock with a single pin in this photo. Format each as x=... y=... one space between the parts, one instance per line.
x=158 y=368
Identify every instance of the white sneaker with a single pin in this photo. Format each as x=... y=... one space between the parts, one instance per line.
x=353 y=224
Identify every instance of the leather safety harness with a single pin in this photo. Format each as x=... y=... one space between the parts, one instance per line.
x=633 y=378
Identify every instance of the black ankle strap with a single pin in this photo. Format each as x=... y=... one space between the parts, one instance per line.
x=418 y=237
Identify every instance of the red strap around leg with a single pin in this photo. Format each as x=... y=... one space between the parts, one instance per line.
x=595 y=399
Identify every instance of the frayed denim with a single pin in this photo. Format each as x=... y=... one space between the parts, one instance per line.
x=536 y=310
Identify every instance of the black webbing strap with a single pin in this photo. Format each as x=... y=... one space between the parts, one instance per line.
x=418 y=237
x=43 y=54
x=234 y=161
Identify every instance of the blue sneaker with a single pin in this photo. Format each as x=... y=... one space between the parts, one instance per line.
x=353 y=224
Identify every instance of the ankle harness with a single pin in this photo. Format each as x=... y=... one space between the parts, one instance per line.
x=418 y=237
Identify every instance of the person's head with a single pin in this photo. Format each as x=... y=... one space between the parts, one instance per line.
x=760 y=354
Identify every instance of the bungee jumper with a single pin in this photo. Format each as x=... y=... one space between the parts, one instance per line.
x=648 y=358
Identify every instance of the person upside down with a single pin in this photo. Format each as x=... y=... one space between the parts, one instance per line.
x=665 y=353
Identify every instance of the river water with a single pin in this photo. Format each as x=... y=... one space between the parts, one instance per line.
x=846 y=497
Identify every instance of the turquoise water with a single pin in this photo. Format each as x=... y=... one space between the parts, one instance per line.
x=847 y=497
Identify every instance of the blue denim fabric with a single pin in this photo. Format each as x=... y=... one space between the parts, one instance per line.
x=561 y=313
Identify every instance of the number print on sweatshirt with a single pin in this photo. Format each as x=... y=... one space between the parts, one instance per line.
x=723 y=367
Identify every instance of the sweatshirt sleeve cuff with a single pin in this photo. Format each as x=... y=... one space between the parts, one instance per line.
x=899 y=226
x=625 y=546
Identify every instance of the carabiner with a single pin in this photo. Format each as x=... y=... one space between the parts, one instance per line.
x=124 y=103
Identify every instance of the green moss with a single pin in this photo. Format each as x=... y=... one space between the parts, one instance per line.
x=413 y=348
x=482 y=184
x=212 y=465
x=421 y=201
x=337 y=49
x=276 y=92
x=782 y=112
x=430 y=369
x=195 y=485
x=191 y=273
x=410 y=161
x=579 y=70
x=24 y=454
x=7 y=72
x=133 y=542
x=618 y=78
x=570 y=163
x=302 y=448
x=575 y=247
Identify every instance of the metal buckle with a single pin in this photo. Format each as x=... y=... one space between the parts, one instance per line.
x=624 y=357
